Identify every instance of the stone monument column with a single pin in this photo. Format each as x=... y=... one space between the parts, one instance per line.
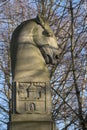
x=31 y=106
x=33 y=46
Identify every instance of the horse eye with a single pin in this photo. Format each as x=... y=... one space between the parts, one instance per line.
x=45 y=33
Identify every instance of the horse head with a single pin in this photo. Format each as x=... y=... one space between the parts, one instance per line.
x=33 y=45
x=47 y=42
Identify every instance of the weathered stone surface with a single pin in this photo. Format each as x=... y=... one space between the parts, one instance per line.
x=33 y=46
x=31 y=49
x=30 y=65
x=32 y=97
x=35 y=125
x=31 y=117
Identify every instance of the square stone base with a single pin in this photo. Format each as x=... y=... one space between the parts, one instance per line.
x=31 y=122
x=35 y=125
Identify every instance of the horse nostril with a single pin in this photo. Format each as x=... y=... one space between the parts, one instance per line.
x=49 y=59
x=56 y=57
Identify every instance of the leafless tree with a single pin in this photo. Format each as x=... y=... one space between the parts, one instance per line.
x=68 y=19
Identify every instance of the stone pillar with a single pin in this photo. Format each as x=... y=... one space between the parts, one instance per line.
x=32 y=107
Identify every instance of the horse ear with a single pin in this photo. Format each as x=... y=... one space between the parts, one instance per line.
x=41 y=20
x=44 y=23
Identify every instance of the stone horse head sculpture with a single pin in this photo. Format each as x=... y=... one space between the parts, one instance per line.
x=33 y=45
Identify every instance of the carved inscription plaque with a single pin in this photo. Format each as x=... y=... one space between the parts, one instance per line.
x=31 y=97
